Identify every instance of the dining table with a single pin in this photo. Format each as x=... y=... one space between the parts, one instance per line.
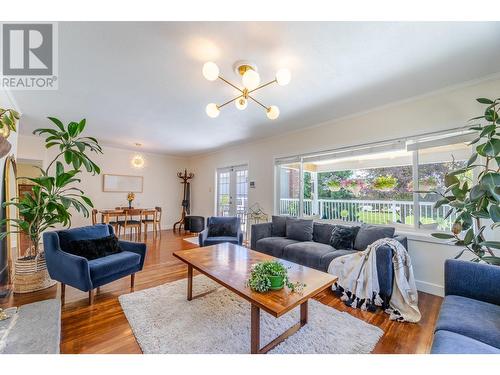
x=107 y=213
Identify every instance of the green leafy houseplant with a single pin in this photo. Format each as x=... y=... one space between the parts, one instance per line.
x=54 y=193
x=8 y=119
x=385 y=183
x=271 y=275
x=473 y=202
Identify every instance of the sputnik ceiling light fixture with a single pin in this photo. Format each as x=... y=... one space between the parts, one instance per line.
x=251 y=83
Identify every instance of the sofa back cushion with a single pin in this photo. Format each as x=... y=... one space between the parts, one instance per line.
x=94 y=248
x=322 y=232
x=84 y=233
x=343 y=237
x=299 y=229
x=368 y=234
x=278 y=228
x=223 y=226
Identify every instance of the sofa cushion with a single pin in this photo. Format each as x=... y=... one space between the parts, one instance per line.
x=278 y=228
x=223 y=226
x=96 y=248
x=113 y=264
x=343 y=237
x=322 y=232
x=273 y=245
x=299 y=229
x=221 y=239
x=326 y=259
x=478 y=320
x=83 y=233
x=368 y=234
x=307 y=253
x=446 y=342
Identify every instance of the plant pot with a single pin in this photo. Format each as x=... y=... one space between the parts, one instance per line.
x=334 y=189
x=277 y=282
x=31 y=274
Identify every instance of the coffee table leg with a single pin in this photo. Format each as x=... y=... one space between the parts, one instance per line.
x=255 y=330
x=190 y=283
x=303 y=314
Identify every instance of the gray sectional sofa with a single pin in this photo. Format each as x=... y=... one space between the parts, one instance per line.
x=309 y=243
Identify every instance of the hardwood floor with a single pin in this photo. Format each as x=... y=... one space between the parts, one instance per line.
x=103 y=328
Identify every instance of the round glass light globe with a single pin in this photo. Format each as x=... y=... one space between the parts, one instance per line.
x=251 y=79
x=241 y=103
x=138 y=161
x=210 y=71
x=212 y=110
x=283 y=77
x=273 y=112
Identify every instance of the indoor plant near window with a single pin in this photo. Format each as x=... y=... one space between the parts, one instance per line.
x=354 y=185
x=53 y=195
x=271 y=275
x=477 y=204
x=8 y=120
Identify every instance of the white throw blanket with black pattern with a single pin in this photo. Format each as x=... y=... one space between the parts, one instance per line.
x=358 y=281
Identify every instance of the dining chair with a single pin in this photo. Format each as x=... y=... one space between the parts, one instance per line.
x=94 y=216
x=147 y=220
x=133 y=221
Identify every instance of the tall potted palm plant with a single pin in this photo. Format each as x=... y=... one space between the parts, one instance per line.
x=53 y=196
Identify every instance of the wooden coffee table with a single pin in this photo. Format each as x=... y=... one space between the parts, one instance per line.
x=229 y=265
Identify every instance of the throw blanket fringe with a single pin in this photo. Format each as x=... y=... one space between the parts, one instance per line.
x=358 y=287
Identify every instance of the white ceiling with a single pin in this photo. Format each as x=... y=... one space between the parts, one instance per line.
x=142 y=82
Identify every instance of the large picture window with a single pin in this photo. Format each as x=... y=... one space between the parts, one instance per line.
x=375 y=184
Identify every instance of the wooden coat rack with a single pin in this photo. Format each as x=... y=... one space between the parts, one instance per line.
x=185 y=200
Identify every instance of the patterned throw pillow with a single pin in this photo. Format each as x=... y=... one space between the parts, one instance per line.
x=343 y=237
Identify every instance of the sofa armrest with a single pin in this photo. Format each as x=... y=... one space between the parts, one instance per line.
x=134 y=247
x=260 y=231
x=202 y=236
x=65 y=267
x=403 y=240
x=472 y=280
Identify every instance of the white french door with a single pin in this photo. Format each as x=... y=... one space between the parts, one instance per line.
x=232 y=192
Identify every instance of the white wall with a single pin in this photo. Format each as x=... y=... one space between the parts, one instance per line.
x=161 y=185
x=438 y=111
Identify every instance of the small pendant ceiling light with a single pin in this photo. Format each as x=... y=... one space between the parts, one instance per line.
x=138 y=160
x=250 y=79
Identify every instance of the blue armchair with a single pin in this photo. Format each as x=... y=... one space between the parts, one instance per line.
x=220 y=230
x=84 y=274
x=469 y=320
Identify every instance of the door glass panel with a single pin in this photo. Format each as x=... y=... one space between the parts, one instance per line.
x=242 y=195
x=224 y=193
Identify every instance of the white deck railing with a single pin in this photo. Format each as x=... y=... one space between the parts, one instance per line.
x=370 y=211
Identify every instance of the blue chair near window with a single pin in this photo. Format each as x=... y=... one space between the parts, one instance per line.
x=220 y=230
x=84 y=274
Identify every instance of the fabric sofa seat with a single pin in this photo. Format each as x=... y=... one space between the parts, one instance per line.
x=221 y=239
x=327 y=258
x=274 y=245
x=221 y=229
x=307 y=253
x=446 y=342
x=478 y=320
x=113 y=264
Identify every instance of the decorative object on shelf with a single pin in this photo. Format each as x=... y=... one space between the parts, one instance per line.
x=384 y=183
x=130 y=199
x=186 y=209
x=271 y=275
x=334 y=185
x=251 y=83
x=53 y=194
x=138 y=160
x=475 y=201
x=354 y=185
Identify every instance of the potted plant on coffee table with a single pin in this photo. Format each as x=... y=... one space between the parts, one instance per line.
x=271 y=275
x=53 y=195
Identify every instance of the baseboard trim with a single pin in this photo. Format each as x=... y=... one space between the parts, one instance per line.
x=431 y=288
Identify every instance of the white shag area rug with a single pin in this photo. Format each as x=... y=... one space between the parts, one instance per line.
x=163 y=321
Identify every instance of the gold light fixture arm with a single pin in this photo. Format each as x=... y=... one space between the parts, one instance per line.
x=263 y=85
x=259 y=103
x=229 y=101
x=230 y=84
